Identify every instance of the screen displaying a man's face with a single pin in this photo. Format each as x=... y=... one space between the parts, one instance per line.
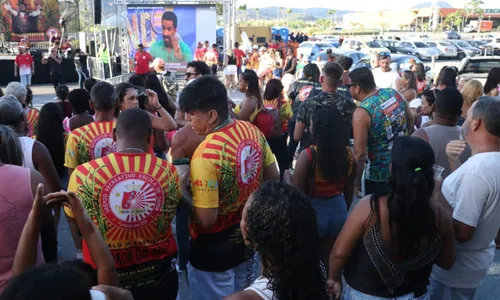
x=168 y=32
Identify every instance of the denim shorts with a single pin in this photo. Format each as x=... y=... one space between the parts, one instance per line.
x=331 y=214
x=351 y=294
x=25 y=79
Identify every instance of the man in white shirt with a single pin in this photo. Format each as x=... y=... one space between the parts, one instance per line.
x=472 y=195
x=384 y=76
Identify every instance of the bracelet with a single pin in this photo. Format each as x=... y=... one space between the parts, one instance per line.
x=158 y=108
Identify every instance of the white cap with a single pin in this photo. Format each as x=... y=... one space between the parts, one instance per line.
x=416 y=103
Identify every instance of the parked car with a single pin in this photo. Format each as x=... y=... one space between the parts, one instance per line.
x=483 y=36
x=364 y=46
x=308 y=49
x=417 y=37
x=446 y=49
x=450 y=35
x=478 y=67
x=403 y=61
x=389 y=44
x=419 y=49
x=485 y=48
x=465 y=49
x=337 y=53
x=329 y=39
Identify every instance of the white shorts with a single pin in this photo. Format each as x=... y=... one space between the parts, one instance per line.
x=230 y=70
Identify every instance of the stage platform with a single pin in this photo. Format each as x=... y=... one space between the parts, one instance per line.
x=42 y=72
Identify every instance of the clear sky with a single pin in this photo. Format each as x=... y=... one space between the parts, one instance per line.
x=355 y=4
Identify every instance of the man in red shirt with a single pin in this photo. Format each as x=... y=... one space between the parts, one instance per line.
x=142 y=60
x=199 y=53
x=26 y=66
x=239 y=54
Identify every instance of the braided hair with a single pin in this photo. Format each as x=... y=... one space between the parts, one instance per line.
x=282 y=228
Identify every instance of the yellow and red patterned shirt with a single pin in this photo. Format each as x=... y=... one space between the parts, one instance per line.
x=132 y=199
x=226 y=169
x=32 y=117
x=94 y=140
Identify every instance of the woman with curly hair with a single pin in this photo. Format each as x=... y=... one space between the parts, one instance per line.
x=325 y=171
x=280 y=224
x=391 y=241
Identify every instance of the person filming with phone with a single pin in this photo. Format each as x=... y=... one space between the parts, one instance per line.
x=55 y=62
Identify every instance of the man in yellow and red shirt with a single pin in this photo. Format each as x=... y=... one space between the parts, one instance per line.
x=142 y=59
x=94 y=140
x=132 y=197
x=227 y=167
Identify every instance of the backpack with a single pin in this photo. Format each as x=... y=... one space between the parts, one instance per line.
x=269 y=122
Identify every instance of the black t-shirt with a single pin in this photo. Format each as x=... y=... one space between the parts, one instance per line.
x=55 y=68
x=83 y=61
x=302 y=89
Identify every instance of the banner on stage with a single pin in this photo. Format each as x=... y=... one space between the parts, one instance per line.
x=31 y=18
x=171 y=32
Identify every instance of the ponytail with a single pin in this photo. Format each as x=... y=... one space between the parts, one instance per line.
x=411 y=187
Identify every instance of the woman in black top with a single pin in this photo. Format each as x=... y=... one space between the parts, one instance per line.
x=291 y=63
x=390 y=242
x=230 y=69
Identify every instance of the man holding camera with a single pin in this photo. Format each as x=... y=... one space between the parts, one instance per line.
x=55 y=61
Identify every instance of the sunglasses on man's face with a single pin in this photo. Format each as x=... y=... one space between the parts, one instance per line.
x=349 y=85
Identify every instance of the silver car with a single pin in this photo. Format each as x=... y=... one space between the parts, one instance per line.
x=420 y=49
x=446 y=49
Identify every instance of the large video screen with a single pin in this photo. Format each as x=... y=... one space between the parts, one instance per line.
x=171 y=32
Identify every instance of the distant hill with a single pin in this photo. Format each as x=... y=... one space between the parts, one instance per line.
x=306 y=14
x=441 y=4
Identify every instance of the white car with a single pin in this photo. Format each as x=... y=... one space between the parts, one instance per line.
x=417 y=37
x=308 y=49
x=446 y=49
x=419 y=49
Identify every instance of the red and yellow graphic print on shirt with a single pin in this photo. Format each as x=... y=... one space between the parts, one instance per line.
x=32 y=117
x=226 y=169
x=94 y=140
x=132 y=199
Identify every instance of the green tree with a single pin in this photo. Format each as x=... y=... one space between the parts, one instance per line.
x=453 y=19
x=288 y=12
x=332 y=13
x=243 y=8
x=219 y=9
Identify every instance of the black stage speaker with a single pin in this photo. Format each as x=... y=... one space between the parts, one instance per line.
x=36 y=54
x=97 y=11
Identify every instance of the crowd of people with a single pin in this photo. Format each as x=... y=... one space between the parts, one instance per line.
x=260 y=190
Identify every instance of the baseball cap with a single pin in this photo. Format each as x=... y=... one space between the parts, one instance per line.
x=329 y=51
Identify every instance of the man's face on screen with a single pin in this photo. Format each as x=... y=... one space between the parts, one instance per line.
x=168 y=31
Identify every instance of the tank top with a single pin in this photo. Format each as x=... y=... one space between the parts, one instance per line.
x=15 y=206
x=259 y=286
x=320 y=187
x=288 y=66
x=231 y=60
x=237 y=110
x=439 y=137
x=27 y=147
x=373 y=271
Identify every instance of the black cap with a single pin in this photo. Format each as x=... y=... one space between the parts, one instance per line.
x=329 y=51
x=140 y=46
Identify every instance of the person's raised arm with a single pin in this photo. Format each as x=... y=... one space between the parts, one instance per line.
x=26 y=253
x=353 y=230
x=165 y=122
x=360 y=126
x=99 y=251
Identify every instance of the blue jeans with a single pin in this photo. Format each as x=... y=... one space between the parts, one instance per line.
x=331 y=214
x=351 y=294
x=438 y=291
x=216 y=285
x=25 y=79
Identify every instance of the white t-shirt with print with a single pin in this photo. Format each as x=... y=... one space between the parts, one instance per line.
x=473 y=191
x=385 y=80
